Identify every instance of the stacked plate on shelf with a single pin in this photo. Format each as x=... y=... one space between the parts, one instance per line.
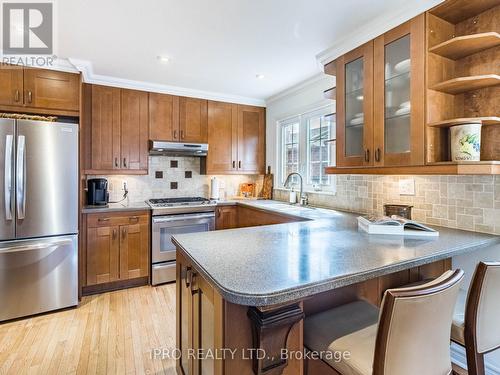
x=404 y=109
x=358 y=119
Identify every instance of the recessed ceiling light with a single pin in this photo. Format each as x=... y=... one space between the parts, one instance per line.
x=259 y=76
x=163 y=59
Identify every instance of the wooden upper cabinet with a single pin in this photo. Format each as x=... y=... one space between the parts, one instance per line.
x=355 y=107
x=105 y=128
x=251 y=139
x=50 y=89
x=11 y=85
x=134 y=251
x=102 y=255
x=222 y=137
x=193 y=120
x=134 y=130
x=163 y=117
x=399 y=92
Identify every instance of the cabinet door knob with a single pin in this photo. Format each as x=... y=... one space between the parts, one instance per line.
x=16 y=96
x=367 y=155
x=377 y=154
x=125 y=162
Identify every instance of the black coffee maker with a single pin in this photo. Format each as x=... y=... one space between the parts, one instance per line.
x=97 y=192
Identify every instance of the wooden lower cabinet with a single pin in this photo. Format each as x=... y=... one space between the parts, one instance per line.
x=117 y=249
x=199 y=321
x=229 y=217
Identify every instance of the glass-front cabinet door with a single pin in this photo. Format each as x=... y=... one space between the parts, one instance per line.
x=354 y=107
x=399 y=95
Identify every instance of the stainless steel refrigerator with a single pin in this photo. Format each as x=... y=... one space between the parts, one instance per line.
x=38 y=217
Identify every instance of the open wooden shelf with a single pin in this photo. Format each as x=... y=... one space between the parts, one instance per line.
x=455 y=11
x=464 y=84
x=330 y=93
x=462 y=46
x=330 y=68
x=442 y=168
x=492 y=120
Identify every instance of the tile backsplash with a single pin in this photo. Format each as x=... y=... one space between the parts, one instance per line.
x=465 y=202
x=172 y=177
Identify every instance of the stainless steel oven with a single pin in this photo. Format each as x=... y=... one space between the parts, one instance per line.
x=163 y=250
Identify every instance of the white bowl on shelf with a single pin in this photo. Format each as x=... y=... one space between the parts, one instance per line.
x=403 y=66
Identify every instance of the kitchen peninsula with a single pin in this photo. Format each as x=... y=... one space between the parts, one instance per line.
x=250 y=288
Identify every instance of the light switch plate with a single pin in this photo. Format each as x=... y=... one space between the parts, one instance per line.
x=407 y=186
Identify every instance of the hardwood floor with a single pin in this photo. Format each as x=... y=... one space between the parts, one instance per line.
x=110 y=333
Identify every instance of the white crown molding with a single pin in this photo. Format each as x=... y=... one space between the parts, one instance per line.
x=371 y=30
x=298 y=87
x=85 y=67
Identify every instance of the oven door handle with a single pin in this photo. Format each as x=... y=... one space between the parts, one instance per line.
x=169 y=219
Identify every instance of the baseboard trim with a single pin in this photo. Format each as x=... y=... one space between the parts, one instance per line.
x=458 y=357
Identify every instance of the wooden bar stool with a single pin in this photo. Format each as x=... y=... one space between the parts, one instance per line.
x=409 y=335
x=476 y=324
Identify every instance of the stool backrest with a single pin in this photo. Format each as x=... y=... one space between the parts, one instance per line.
x=413 y=336
x=482 y=315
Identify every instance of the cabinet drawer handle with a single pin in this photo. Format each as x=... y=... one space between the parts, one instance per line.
x=239 y=164
x=114 y=234
x=134 y=218
x=30 y=96
x=191 y=282
x=377 y=154
x=367 y=155
x=124 y=233
x=16 y=96
x=175 y=134
x=125 y=162
x=116 y=162
x=103 y=219
x=234 y=164
x=182 y=134
x=188 y=278
x=218 y=212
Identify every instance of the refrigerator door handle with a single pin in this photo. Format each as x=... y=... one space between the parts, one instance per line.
x=21 y=177
x=36 y=246
x=9 y=142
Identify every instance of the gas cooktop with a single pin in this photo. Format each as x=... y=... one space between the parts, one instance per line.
x=165 y=206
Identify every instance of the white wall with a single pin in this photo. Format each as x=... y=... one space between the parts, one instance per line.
x=299 y=99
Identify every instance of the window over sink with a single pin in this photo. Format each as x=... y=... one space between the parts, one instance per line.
x=307 y=146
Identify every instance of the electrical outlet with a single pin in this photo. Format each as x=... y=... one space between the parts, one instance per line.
x=407 y=186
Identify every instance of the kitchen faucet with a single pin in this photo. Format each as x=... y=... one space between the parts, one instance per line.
x=303 y=201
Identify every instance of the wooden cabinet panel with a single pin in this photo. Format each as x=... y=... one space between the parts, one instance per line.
x=50 y=89
x=134 y=251
x=105 y=129
x=163 y=117
x=117 y=247
x=184 y=311
x=399 y=59
x=355 y=107
x=222 y=137
x=102 y=255
x=226 y=217
x=251 y=139
x=193 y=120
x=134 y=129
x=11 y=85
x=253 y=217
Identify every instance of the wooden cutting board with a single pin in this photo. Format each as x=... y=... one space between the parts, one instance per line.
x=267 y=185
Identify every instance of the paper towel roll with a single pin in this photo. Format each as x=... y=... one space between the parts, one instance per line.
x=214 y=188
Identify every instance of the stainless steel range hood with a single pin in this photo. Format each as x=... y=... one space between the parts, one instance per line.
x=177 y=149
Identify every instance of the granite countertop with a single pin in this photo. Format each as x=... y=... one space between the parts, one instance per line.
x=268 y=265
x=116 y=207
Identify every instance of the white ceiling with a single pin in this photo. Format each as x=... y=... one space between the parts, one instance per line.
x=213 y=45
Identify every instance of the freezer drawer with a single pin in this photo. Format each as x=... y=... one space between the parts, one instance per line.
x=163 y=273
x=38 y=275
